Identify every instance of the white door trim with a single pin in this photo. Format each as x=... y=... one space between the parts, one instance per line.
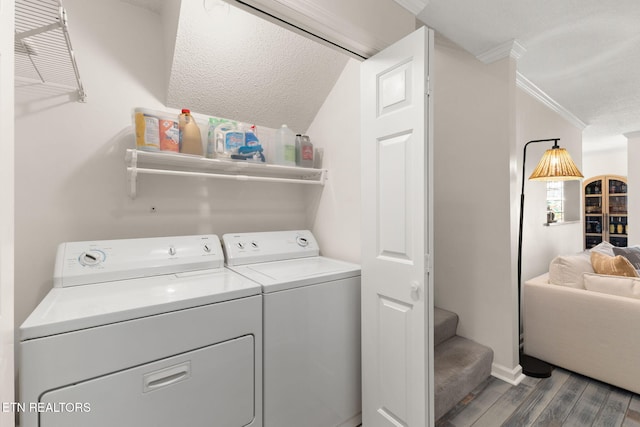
x=6 y=209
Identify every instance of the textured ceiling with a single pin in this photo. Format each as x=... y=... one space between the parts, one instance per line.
x=230 y=63
x=584 y=54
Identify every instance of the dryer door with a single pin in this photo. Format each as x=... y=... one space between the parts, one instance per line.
x=210 y=386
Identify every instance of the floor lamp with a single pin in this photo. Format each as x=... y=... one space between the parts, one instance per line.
x=555 y=165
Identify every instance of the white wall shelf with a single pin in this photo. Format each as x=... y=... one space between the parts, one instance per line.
x=163 y=163
x=43 y=51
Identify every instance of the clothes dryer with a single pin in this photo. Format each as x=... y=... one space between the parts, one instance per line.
x=143 y=333
x=311 y=327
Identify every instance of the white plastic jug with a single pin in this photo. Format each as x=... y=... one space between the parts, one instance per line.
x=285 y=147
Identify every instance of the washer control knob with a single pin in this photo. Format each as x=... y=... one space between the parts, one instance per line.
x=240 y=245
x=302 y=241
x=172 y=250
x=206 y=248
x=91 y=258
x=254 y=245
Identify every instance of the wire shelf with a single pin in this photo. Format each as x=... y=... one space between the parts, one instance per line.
x=42 y=46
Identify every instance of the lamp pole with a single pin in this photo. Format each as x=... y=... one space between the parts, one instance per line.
x=531 y=366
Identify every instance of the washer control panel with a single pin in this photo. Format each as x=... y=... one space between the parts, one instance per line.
x=251 y=248
x=82 y=263
x=92 y=257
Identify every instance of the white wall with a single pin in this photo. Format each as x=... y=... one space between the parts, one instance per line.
x=633 y=186
x=6 y=209
x=70 y=172
x=611 y=160
x=336 y=128
x=474 y=108
x=170 y=16
x=540 y=243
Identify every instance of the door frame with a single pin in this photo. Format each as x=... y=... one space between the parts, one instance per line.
x=7 y=179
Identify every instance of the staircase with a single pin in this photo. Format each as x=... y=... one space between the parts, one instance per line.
x=460 y=364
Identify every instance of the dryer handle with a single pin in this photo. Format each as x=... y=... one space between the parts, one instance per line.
x=166 y=376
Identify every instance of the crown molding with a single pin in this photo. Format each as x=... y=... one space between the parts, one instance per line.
x=512 y=49
x=632 y=135
x=413 y=6
x=525 y=84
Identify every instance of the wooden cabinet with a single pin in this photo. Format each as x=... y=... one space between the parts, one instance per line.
x=605 y=210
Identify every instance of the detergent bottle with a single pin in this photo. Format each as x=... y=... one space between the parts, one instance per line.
x=190 y=138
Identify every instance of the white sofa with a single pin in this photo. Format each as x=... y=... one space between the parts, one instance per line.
x=577 y=326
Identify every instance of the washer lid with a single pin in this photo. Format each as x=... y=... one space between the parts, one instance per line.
x=280 y=275
x=80 y=307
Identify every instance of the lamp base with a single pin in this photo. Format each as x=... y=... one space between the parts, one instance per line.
x=533 y=367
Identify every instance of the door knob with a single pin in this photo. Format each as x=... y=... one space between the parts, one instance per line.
x=415 y=290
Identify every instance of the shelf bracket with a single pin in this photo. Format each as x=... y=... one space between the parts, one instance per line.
x=133 y=173
x=323 y=177
x=33 y=32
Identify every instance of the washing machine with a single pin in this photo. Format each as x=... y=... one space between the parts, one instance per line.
x=143 y=333
x=311 y=328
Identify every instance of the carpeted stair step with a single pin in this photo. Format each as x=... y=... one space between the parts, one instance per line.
x=445 y=325
x=460 y=366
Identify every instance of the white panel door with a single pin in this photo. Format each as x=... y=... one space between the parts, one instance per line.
x=397 y=359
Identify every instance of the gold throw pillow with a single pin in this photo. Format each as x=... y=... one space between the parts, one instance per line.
x=612 y=265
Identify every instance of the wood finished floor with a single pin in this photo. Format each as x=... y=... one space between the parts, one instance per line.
x=565 y=399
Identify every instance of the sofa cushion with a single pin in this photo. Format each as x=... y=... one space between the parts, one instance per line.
x=613 y=266
x=603 y=247
x=567 y=270
x=632 y=253
x=613 y=285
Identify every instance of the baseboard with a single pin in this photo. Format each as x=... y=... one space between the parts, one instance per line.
x=353 y=421
x=512 y=376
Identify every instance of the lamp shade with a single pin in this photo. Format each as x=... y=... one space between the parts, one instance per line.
x=556 y=165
